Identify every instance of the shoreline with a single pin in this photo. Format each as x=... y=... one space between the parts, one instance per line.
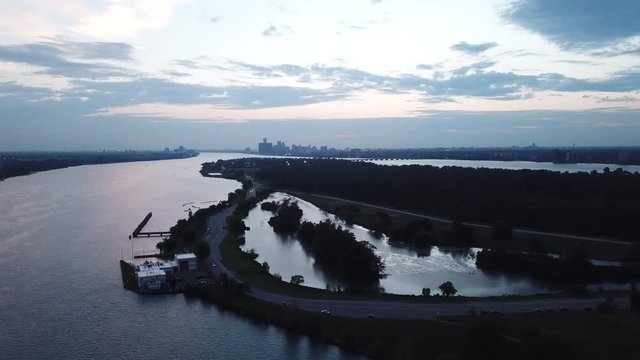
x=25 y=167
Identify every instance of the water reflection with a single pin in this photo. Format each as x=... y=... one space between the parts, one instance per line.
x=408 y=270
x=61 y=235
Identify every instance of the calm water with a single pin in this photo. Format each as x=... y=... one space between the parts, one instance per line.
x=408 y=271
x=510 y=165
x=61 y=236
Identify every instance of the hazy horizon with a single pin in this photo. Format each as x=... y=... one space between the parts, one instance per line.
x=116 y=74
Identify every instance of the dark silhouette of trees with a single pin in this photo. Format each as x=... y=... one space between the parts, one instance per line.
x=287 y=217
x=416 y=233
x=189 y=236
x=502 y=231
x=202 y=250
x=269 y=206
x=338 y=252
x=236 y=225
x=460 y=234
x=596 y=204
x=569 y=269
x=447 y=288
x=297 y=279
x=634 y=301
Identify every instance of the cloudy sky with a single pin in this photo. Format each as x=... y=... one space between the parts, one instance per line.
x=359 y=73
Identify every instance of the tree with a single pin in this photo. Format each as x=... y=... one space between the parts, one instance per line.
x=265 y=267
x=634 y=301
x=202 y=250
x=297 y=279
x=189 y=235
x=447 y=289
x=236 y=225
x=502 y=231
x=426 y=291
x=287 y=218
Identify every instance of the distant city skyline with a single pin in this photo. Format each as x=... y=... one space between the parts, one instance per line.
x=147 y=74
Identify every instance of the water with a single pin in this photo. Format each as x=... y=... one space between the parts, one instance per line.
x=62 y=233
x=408 y=272
x=509 y=165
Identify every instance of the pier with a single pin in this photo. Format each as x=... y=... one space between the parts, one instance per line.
x=137 y=232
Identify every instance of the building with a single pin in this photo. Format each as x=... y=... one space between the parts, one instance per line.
x=150 y=277
x=186 y=262
x=265 y=148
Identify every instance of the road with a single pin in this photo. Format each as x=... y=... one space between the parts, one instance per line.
x=391 y=309
x=447 y=221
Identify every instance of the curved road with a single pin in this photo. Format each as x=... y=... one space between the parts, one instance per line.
x=390 y=309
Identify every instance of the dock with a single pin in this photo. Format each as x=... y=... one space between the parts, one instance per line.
x=153 y=233
x=146 y=254
x=137 y=232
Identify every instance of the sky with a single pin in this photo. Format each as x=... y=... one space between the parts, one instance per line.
x=209 y=74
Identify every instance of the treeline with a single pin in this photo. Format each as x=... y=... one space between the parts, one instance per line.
x=335 y=249
x=596 y=204
x=185 y=235
x=287 y=215
x=18 y=164
x=574 y=268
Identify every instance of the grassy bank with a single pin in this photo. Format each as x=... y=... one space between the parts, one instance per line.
x=251 y=272
x=568 y=335
x=368 y=217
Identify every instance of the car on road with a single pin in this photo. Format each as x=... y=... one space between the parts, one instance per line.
x=325 y=311
x=371 y=316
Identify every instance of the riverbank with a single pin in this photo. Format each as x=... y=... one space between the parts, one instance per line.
x=523 y=240
x=476 y=336
x=402 y=324
x=25 y=163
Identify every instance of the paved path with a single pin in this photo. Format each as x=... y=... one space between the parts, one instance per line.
x=391 y=309
x=448 y=221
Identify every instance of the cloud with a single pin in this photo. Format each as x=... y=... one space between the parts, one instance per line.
x=579 y=25
x=273 y=30
x=425 y=66
x=214 y=19
x=473 y=49
x=473 y=80
x=65 y=58
x=577 y=62
x=606 y=99
x=125 y=19
x=472 y=68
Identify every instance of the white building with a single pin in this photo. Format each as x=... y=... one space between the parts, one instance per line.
x=151 y=277
x=186 y=262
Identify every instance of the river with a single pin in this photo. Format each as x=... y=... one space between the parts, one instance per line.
x=408 y=271
x=62 y=233
x=509 y=165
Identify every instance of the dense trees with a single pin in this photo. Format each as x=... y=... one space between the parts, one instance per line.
x=335 y=249
x=287 y=217
x=581 y=203
x=448 y=289
x=297 y=279
x=202 y=250
x=573 y=268
x=338 y=252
